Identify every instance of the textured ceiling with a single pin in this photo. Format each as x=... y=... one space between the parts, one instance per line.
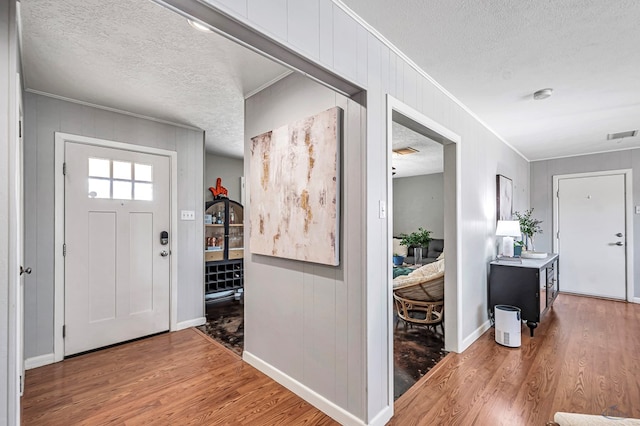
x=429 y=158
x=136 y=56
x=492 y=55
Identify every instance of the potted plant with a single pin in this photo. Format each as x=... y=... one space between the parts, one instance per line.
x=529 y=227
x=417 y=240
x=517 y=248
x=397 y=259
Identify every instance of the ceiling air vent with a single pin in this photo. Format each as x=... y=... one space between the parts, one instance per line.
x=621 y=135
x=405 y=151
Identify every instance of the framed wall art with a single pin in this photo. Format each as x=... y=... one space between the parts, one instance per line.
x=504 y=198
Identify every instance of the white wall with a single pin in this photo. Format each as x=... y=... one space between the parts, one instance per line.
x=229 y=169
x=301 y=318
x=542 y=173
x=418 y=201
x=43 y=117
x=321 y=31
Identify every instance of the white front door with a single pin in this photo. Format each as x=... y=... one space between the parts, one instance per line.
x=117 y=271
x=591 y=239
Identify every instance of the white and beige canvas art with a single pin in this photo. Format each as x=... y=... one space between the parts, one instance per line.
x=294 y=190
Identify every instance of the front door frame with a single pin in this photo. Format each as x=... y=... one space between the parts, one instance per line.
x=59 y=215
x=628 y=194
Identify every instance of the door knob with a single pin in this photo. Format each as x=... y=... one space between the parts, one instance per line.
x=619 y=243
x=164 y=253
x=25 y=271
x=619 y=234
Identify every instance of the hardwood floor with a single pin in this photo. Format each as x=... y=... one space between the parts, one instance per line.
x=171 y=379
x=584 y=358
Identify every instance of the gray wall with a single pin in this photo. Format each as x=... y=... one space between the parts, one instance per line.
x=43 y=117
x=229 y=169
x=542 y=173
x=418 y=201
x=323 y=32
x=310 y=329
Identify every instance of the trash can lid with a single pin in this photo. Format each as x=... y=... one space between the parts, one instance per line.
x=507 y=308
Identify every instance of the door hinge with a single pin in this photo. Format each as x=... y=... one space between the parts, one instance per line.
x=64 y=249
x=21 y=388
x=558 y=193
x=64 y=331
x=20 y=128
x=64 y=168
x=558 y=234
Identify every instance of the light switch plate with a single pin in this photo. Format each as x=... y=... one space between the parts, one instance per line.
x=187 y=215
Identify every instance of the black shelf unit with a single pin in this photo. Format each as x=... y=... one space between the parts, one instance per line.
x=223 y=275
x=224 y=254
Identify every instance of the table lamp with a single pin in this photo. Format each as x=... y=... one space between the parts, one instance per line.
x=507 y=229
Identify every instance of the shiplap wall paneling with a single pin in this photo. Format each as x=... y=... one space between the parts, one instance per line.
x=190 y=189
x=376 y=307
x=345 y=44
x=392 y=74
x=314 y=311
x=325 y=34
x=43 y=117
x=271 y=16
x=304 y=26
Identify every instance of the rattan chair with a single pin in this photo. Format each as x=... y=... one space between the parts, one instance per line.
x=419 y=296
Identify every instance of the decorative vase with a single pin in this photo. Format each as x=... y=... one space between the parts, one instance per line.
x=417 y=256
x=398 y=260
x=528 y=242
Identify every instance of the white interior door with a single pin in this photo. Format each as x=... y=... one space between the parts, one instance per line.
x=117 y=271
x=591 y=239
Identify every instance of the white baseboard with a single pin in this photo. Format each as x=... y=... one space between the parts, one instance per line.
x=636 y=300
x=475 y=335
x=337 y=413
x=39 y=361
x=191 y=323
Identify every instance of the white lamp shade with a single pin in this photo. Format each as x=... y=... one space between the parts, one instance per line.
x=508 y=228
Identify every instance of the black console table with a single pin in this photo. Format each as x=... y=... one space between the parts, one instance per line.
x=531 y=285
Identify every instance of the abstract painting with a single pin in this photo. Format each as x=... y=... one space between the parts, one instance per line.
x=504 y=197
x=294 y=190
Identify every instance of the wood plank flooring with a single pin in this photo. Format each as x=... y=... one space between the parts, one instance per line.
x=177 y=378
x=584 y=358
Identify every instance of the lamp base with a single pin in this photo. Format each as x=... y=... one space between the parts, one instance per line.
x=507 y=246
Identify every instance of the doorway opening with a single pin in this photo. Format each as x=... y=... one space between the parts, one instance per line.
x=423 y=296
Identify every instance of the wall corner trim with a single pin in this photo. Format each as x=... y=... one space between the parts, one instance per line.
x=191 y=323
x=475 y=335
x=39 y=361
x=320 y=402
x=383 y=417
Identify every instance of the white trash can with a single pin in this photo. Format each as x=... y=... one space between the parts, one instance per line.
x=508 y=325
